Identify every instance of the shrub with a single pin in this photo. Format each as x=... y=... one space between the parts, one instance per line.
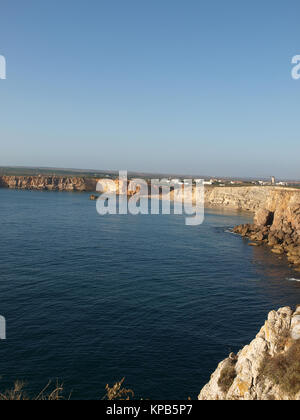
x=227 y=376
x=284 y=369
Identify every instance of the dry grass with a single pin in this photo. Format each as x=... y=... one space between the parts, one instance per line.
x=117 y=392
x=56 y=393
x=284 y=369
x=18 y=393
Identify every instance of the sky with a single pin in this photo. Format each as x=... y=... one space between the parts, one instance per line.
x=181 y=86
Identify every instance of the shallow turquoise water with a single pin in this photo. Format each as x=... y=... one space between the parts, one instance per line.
x=91 y=299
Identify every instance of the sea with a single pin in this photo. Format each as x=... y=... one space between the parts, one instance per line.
x=90 y=299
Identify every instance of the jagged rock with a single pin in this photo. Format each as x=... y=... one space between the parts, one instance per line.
x=263 y=217
x=259 y=236
x=273 y=239
x=244 y=380
x=277 y=250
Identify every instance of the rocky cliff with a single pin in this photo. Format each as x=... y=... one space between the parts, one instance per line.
x=266 y=369
x=251 y=198
x=277 y=224
x=51 y=183
x=238 y=198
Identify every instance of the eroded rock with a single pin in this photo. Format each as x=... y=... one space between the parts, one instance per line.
x=275 y=339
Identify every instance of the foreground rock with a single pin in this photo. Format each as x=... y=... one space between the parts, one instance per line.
x=267 y=369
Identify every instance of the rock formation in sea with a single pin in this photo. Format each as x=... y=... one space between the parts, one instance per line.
x=266 y=369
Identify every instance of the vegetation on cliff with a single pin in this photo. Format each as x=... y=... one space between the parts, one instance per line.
x=284 y=369
x=56 y=392
x=227 y=375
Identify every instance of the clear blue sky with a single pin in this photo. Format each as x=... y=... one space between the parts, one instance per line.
x=185 y=86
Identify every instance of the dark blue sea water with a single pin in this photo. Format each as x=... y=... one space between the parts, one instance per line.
x=90 y=299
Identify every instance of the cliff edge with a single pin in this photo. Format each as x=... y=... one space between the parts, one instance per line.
x=48 y=183
x=267 y=369
x=277 y=224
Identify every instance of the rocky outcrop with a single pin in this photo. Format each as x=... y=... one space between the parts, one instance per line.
x=277 y=224
x=50 y=183
x=267 y=369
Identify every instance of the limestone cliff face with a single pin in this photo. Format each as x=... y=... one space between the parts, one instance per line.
x=251 y=198
x=51 y=183
x=239 y=198
x=258 y=371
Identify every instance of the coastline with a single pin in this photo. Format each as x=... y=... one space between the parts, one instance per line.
x=275 y=210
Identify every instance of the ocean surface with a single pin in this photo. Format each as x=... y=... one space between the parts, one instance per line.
x=91 y=299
